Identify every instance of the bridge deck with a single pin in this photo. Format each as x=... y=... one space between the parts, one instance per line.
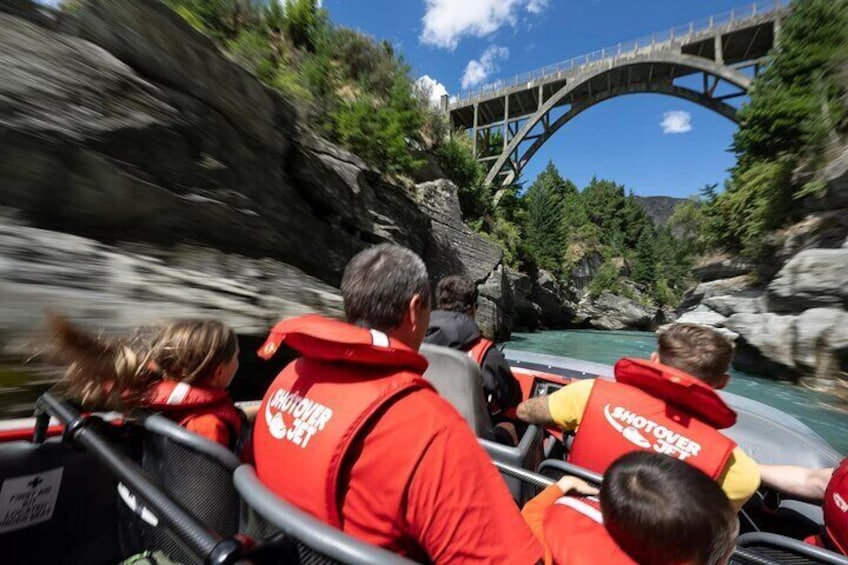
x=743 y=42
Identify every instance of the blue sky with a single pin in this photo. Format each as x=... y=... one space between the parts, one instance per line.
x=622 y=139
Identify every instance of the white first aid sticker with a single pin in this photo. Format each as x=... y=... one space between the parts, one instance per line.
x=28 y=499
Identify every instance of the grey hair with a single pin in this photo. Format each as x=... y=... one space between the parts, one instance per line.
x=379 y=283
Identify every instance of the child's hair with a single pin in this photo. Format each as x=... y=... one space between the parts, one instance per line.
x=456 y=294
x=116 y=372
x=662 y=511
x=698 y=350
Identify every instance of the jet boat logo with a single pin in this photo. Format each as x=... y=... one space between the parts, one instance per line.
x=840 y=502
x=310 y=417
x=659 y=438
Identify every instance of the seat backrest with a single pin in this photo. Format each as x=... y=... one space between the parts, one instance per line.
x=192 y=470
x=457 y=379
x=316 y=542
x=57 y=505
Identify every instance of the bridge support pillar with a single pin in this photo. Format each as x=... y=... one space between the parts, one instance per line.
x=474 y=129
x=506 y=122
x=719 y=52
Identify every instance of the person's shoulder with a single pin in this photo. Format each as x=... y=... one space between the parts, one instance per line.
x=425 y=410
x=578 y=387
x=742 y=477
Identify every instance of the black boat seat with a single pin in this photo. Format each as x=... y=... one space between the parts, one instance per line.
x=457 y=379
x=783 y=550
x=90 y=436
x=316 y=543
x=57 y=505
x=192 y=470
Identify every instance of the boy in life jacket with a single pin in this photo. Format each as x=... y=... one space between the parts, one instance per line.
x=353 y=434
x=180 y=368
x=652 y=510
x=828 y=486
x=452 y=325
x=666 y=405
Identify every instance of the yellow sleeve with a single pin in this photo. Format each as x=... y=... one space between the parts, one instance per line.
x=568 y=403
x=741 y=478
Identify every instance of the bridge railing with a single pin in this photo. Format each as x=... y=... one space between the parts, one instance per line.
x=653 y=41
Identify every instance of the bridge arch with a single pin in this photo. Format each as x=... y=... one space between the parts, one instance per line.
x=668 y=66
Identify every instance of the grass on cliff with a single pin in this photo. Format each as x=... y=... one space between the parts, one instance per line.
x=352 y=89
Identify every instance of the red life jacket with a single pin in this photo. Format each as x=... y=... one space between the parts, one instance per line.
x=574 y=534
x=836 y=509
x=653 y=407
x=183 y=403
x=479 y=348
x=317 y=406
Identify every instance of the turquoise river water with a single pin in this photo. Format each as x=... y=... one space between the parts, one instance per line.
x=813 y=408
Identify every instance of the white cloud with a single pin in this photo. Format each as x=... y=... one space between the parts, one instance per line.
x=476 y=71
x=434 y=89
x=448 y=21
x=676 y=121
x=537 y=6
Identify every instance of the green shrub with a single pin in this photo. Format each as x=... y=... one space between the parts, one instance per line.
x=606 y=280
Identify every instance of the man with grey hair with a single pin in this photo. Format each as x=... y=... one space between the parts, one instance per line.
x=352 y=433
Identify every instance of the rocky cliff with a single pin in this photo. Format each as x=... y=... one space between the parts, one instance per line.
x=789 y=316
x=144 y=174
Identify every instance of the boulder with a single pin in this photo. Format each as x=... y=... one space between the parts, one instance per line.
x=821 y=343
x=814 y=278
x=702 y=316
x=720 y=287
x=612 y=312
x=745 y=302
x=765 y=344
x=723 y=268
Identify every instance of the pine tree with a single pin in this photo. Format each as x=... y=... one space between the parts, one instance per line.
x=645 y=269
x=544 y=218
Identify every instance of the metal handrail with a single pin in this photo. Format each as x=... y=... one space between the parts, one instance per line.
x=652 y=42
x=186 y=530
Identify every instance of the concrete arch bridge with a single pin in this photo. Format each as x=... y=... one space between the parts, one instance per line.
x=709 y=62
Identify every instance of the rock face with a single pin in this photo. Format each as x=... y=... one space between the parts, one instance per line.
x=795 y=324
x=612 y=312
x=526 y=314
x=813 y=278
x=585 y=270
x=722 y=269
x=120 y=286
x=555 y=306
x=102 y=109
x=454 y=249
x=123 y=126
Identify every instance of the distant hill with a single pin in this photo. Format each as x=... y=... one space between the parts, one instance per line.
x=659 y=208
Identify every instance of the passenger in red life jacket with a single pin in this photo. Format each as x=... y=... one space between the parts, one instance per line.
x=829 y=486
x=452 y=325
x=351 y=433
x=666 y=405
x=180 y=368
x=652 y=510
